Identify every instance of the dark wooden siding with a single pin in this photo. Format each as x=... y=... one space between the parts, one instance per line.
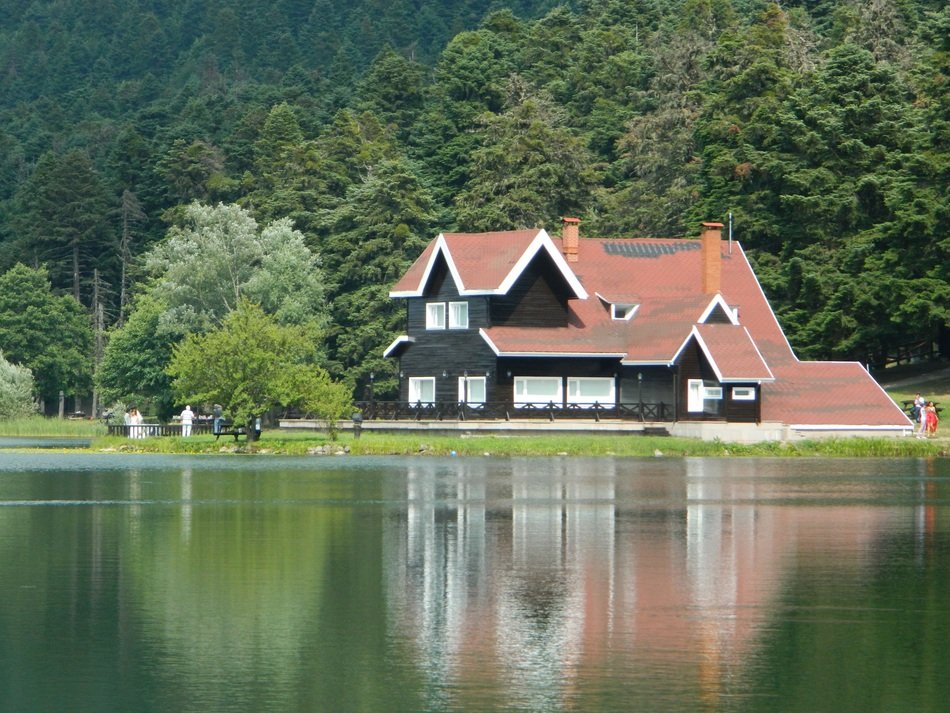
x=537 y=299
x=743 y=411
x=694 y=365
x=718 y=316
x=452 y=351
x=657 y=385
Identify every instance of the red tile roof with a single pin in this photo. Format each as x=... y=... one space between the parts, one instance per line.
x=663 y=277
x=732 y=353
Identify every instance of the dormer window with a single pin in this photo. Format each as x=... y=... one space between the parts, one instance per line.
x=623 y=311
x=435 y=315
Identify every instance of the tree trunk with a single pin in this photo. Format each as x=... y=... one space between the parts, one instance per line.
x=76 y=269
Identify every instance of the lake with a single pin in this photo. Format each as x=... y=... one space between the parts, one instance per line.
x=165 y=583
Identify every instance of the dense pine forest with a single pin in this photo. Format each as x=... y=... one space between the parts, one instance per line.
x=355 y=132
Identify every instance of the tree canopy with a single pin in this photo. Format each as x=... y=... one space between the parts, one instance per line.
x=173 y=149
x=251 y=364
x=49 y=334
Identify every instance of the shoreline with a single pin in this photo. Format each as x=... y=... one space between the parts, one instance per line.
x=316 y=444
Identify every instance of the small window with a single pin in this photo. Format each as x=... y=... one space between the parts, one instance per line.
x=712 y=393
x=435 y=315
x=458 y=315
x=590 y=391
x=537 y=390
x=422 y=388
x=623 y=311
x=743 y=393
x=472 y=390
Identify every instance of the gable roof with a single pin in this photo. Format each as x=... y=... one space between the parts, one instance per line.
x=731 y=353
x=663 y=277
x=485 y=263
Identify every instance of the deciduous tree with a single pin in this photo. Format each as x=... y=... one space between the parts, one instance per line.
x=251 y=364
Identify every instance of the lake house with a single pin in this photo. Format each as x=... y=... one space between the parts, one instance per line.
x=519 y=324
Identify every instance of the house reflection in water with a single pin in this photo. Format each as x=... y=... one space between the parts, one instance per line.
x=528 y=585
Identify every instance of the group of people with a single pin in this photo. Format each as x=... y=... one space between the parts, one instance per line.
x=925 y=415
x=134 y=422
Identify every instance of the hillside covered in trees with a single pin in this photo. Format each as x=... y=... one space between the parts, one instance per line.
x=822 y=126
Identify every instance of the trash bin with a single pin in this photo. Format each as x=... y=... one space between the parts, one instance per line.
x=357 y=424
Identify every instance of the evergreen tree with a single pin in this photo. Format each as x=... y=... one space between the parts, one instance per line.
x=49 y=334
x=529 y=171
x=376 y=233
x=62 y=221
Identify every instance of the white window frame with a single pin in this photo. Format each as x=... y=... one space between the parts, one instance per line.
x=743 y=393
x=623 y=312
x=465 y=395
x=695 y=390
x=524 y=399
x=415 y=389
x=575 y=386
x=435 y=315
x=454 y=321
x=712 y=393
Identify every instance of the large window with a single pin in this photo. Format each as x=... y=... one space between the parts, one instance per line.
x=458 y=315
x=435 y=315
x=472 y=390
x=422 y=388
x=537 y=390
x=590 y=391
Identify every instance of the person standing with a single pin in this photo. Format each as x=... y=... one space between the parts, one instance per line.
x=922 y=418
x=135 y=424
x=187 y=418
x=216 y=413
x=931 y=415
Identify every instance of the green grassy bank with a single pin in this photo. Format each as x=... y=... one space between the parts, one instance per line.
x=298 y=443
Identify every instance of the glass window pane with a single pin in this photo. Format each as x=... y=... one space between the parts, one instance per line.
x=472 y=391
x=538 y=390
x=590 y=390
x=422 y=389
x=435 y=315
x=458 y=315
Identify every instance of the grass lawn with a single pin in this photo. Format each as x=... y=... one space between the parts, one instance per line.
x=377 y=444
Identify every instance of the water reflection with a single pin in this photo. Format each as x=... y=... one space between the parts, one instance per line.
x=470 y=584
x=540 y=581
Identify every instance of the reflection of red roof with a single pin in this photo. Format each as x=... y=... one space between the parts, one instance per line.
x=663 y=278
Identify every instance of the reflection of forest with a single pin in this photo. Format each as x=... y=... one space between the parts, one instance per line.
x=528 y=584
x=476 y=584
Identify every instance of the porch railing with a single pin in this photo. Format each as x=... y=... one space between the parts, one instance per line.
x=505 y=411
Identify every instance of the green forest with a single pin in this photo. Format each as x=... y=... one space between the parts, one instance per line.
x=142 y=140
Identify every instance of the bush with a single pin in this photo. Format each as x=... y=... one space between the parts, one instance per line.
x=16 y=390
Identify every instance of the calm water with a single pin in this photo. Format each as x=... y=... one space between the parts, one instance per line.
x=346 y=584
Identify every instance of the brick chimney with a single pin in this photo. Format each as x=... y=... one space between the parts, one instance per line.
x=570 y=235
x=712 y=257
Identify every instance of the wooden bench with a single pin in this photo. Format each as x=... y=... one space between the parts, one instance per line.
x=227 y=428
